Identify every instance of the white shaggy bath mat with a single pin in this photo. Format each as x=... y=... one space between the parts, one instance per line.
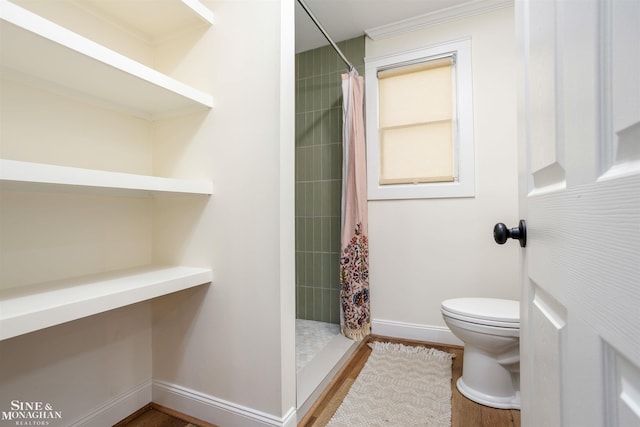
x=399 y=386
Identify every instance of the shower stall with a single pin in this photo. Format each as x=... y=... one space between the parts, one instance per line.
x=318 y=192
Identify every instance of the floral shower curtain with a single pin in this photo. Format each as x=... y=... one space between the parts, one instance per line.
x=354 y=257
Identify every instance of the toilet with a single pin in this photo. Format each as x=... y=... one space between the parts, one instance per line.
x=490 y=331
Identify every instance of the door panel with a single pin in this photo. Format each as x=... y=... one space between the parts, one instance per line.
x=620 y=87
x=623 y=401
x=548 y=326
x=579 y=118
x=544 y=152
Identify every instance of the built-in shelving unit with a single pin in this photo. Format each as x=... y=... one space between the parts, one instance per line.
x=98 y=73
x=36 y=176
x=42 y=55
x=30 y=308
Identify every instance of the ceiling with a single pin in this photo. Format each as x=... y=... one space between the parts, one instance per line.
x=346 y=19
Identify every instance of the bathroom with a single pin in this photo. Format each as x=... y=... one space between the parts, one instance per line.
x=416 y=246
x=219 y=351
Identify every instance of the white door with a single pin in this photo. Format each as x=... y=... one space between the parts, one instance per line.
x=579 y=133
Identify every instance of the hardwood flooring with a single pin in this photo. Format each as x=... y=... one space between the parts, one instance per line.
x=464 y=412
x=154 y=415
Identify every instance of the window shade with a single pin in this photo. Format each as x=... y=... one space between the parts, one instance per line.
x=415 y=118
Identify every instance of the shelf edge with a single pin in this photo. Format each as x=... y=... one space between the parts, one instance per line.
x=181 y=278
x=44 y=174
x=200 y=10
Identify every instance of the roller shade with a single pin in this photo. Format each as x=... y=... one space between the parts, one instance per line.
x=416 y=115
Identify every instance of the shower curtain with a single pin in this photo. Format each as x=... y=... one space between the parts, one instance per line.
x=354 y=256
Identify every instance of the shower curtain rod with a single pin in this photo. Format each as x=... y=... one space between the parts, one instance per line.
x=326 y=35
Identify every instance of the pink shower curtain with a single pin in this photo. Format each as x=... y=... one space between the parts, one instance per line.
x=354 y=257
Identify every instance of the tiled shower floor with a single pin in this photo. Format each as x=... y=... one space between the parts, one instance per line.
x=311 y=337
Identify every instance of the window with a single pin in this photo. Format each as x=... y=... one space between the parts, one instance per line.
x=420 y=129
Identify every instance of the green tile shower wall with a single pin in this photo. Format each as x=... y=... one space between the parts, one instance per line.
x=319 y=177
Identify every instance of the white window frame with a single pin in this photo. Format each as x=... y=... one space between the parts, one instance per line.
x=464 y=158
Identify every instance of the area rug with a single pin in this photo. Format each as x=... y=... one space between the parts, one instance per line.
x=399 y=386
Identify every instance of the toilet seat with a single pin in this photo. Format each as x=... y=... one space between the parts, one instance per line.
x=485 y=311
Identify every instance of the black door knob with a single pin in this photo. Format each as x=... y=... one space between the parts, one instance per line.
x=501 y=233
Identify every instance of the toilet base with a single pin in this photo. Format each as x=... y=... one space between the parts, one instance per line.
x=509 y=402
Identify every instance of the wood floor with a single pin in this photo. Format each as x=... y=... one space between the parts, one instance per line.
x=154 y=415
x=464 y=413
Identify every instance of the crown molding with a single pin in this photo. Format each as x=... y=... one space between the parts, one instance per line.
x=474 y=7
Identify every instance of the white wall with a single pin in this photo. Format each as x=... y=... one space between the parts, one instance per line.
x=234 y=343
x=425 y=251
x=97 y=367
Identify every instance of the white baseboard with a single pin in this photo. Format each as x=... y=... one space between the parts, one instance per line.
x=117 y=409
x=412 y=331
x=214 y=410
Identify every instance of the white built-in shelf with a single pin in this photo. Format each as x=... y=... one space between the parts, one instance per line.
x=37 y=176
x=35 y=307
x=44 y=54
x=154 y=20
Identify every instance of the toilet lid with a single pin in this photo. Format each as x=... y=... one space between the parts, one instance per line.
x=506 y=312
